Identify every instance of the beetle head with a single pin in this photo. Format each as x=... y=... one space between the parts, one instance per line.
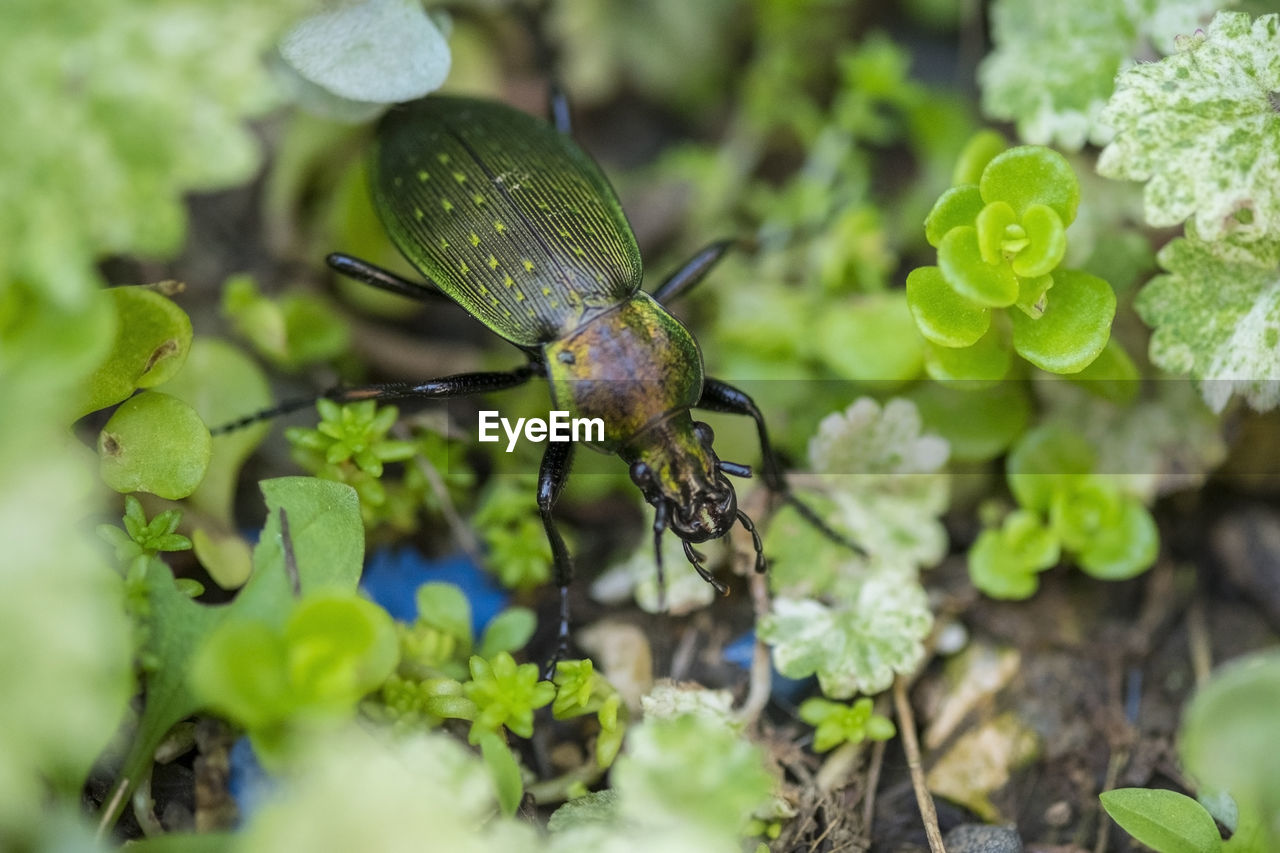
x=679 y=474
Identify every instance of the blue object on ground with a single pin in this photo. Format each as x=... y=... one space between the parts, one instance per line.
x=247 y=782
x=742 y=650
x=392 y=577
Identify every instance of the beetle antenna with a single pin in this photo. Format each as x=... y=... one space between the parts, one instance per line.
x=734 y=469
x=701 y=570
x=761 y=564
x=659 y=527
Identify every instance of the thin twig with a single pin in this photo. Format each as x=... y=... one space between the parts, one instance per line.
x=462 y=533
x=1198 y=640
x=1119 y=758
x=290 y=559
x=760 y=684
x=907 y=729
x=873 y=782
x=110 y=808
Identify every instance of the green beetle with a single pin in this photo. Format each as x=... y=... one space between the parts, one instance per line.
x=506 y=216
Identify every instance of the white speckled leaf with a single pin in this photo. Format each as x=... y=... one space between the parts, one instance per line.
x=1218 y=319
x=855 y=648
x=1054 y=64
x=1201 y=127
x=379 y=51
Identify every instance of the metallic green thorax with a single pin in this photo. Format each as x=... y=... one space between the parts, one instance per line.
x=505 y=214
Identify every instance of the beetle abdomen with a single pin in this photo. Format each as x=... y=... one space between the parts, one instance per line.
x=505 y=214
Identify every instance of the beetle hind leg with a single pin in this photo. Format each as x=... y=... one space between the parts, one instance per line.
x=692 y=556
x=552 y=475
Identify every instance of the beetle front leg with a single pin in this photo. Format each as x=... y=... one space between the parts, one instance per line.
x=552 y=475
x=720 y=396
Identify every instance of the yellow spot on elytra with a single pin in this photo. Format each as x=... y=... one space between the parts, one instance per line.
x=577 y=250
x=493 y=262
x=475 y=239
x=528 y=265
x=463 y=268
x=484 y=291
x=447 y=205
x=498 y=226
x=546 y=291
x=418 y=214
x=444 y=244
x=531 y=313
x=397 y=181
x=563 y=232
x=460 y=177
x=478 y=199
x=519 y=296
x=423 y=176
x=443 y=158
x=542 y=205
x=507 y=281
x=506 y=313
x=493 y=300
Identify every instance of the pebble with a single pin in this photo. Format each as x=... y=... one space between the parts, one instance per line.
x=982 y=838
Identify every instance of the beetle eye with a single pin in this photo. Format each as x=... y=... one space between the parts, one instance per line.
x=641 y=474
x=704 y=432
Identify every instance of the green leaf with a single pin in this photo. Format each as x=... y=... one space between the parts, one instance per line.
x=1201 y=128
x=381 y=51
x=1046 y=460
x=152 y=338
x=956 y=207
x=222 y=384
x=669 y=766
x=854 y=648
x=978 y=420
x=595 y=808
x=943 y=316
x=1032 y=175
x=159 y=95
x=980 y=150
x=1226 y=728
x=873 y=340
x=1125 y=548
x=962 y=265
x=508 y=631
x=445 y=607
x=1164 y=820
x=1005 y=563
x=1075 y=325
x=154 y=443
x=1216 y=316
x=993 y=223
x=1047 y=242
x=505 y=771
x=986 y=361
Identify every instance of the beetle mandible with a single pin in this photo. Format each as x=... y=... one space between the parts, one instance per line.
x=504 y=214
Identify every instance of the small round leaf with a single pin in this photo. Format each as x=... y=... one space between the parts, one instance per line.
x=1075 y=325
x=999 y=572
x=955 y=207
x=992 y=223
x=1125 y=548
x=960 y=259
x=1045 y=461
x=1032 y=174
x=942 y=315
x=154 y=443
x=151 y=342
x=875 y=340
x=980 y=150
x=988 y=360
x=1047 y=242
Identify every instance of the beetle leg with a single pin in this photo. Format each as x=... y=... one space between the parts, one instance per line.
x=720 y=396
x=375 y=276
x=746 y=522
x=702 y=572
x=659 y=527
x=693 y=271
x=552 y=475
x=459 y=385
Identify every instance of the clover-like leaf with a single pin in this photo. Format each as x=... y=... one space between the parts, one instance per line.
x=1004 y=562
x=942 y=315
x=1032 y=175
x=836 y=723
x=1045 y=460
x=957 y=206
x=1201 y=128
x=963 y=266
x=1125 y=548
x=1074 y=327
x=856 y=647
x=1216 y=315
x=986 y=361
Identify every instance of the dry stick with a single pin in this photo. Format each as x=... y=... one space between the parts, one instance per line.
x=1118 y=760
x=111 y=806
x=873 y=782
x=1198 y=640
x=907 y=728
x=760 y=683
x=461 y=532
